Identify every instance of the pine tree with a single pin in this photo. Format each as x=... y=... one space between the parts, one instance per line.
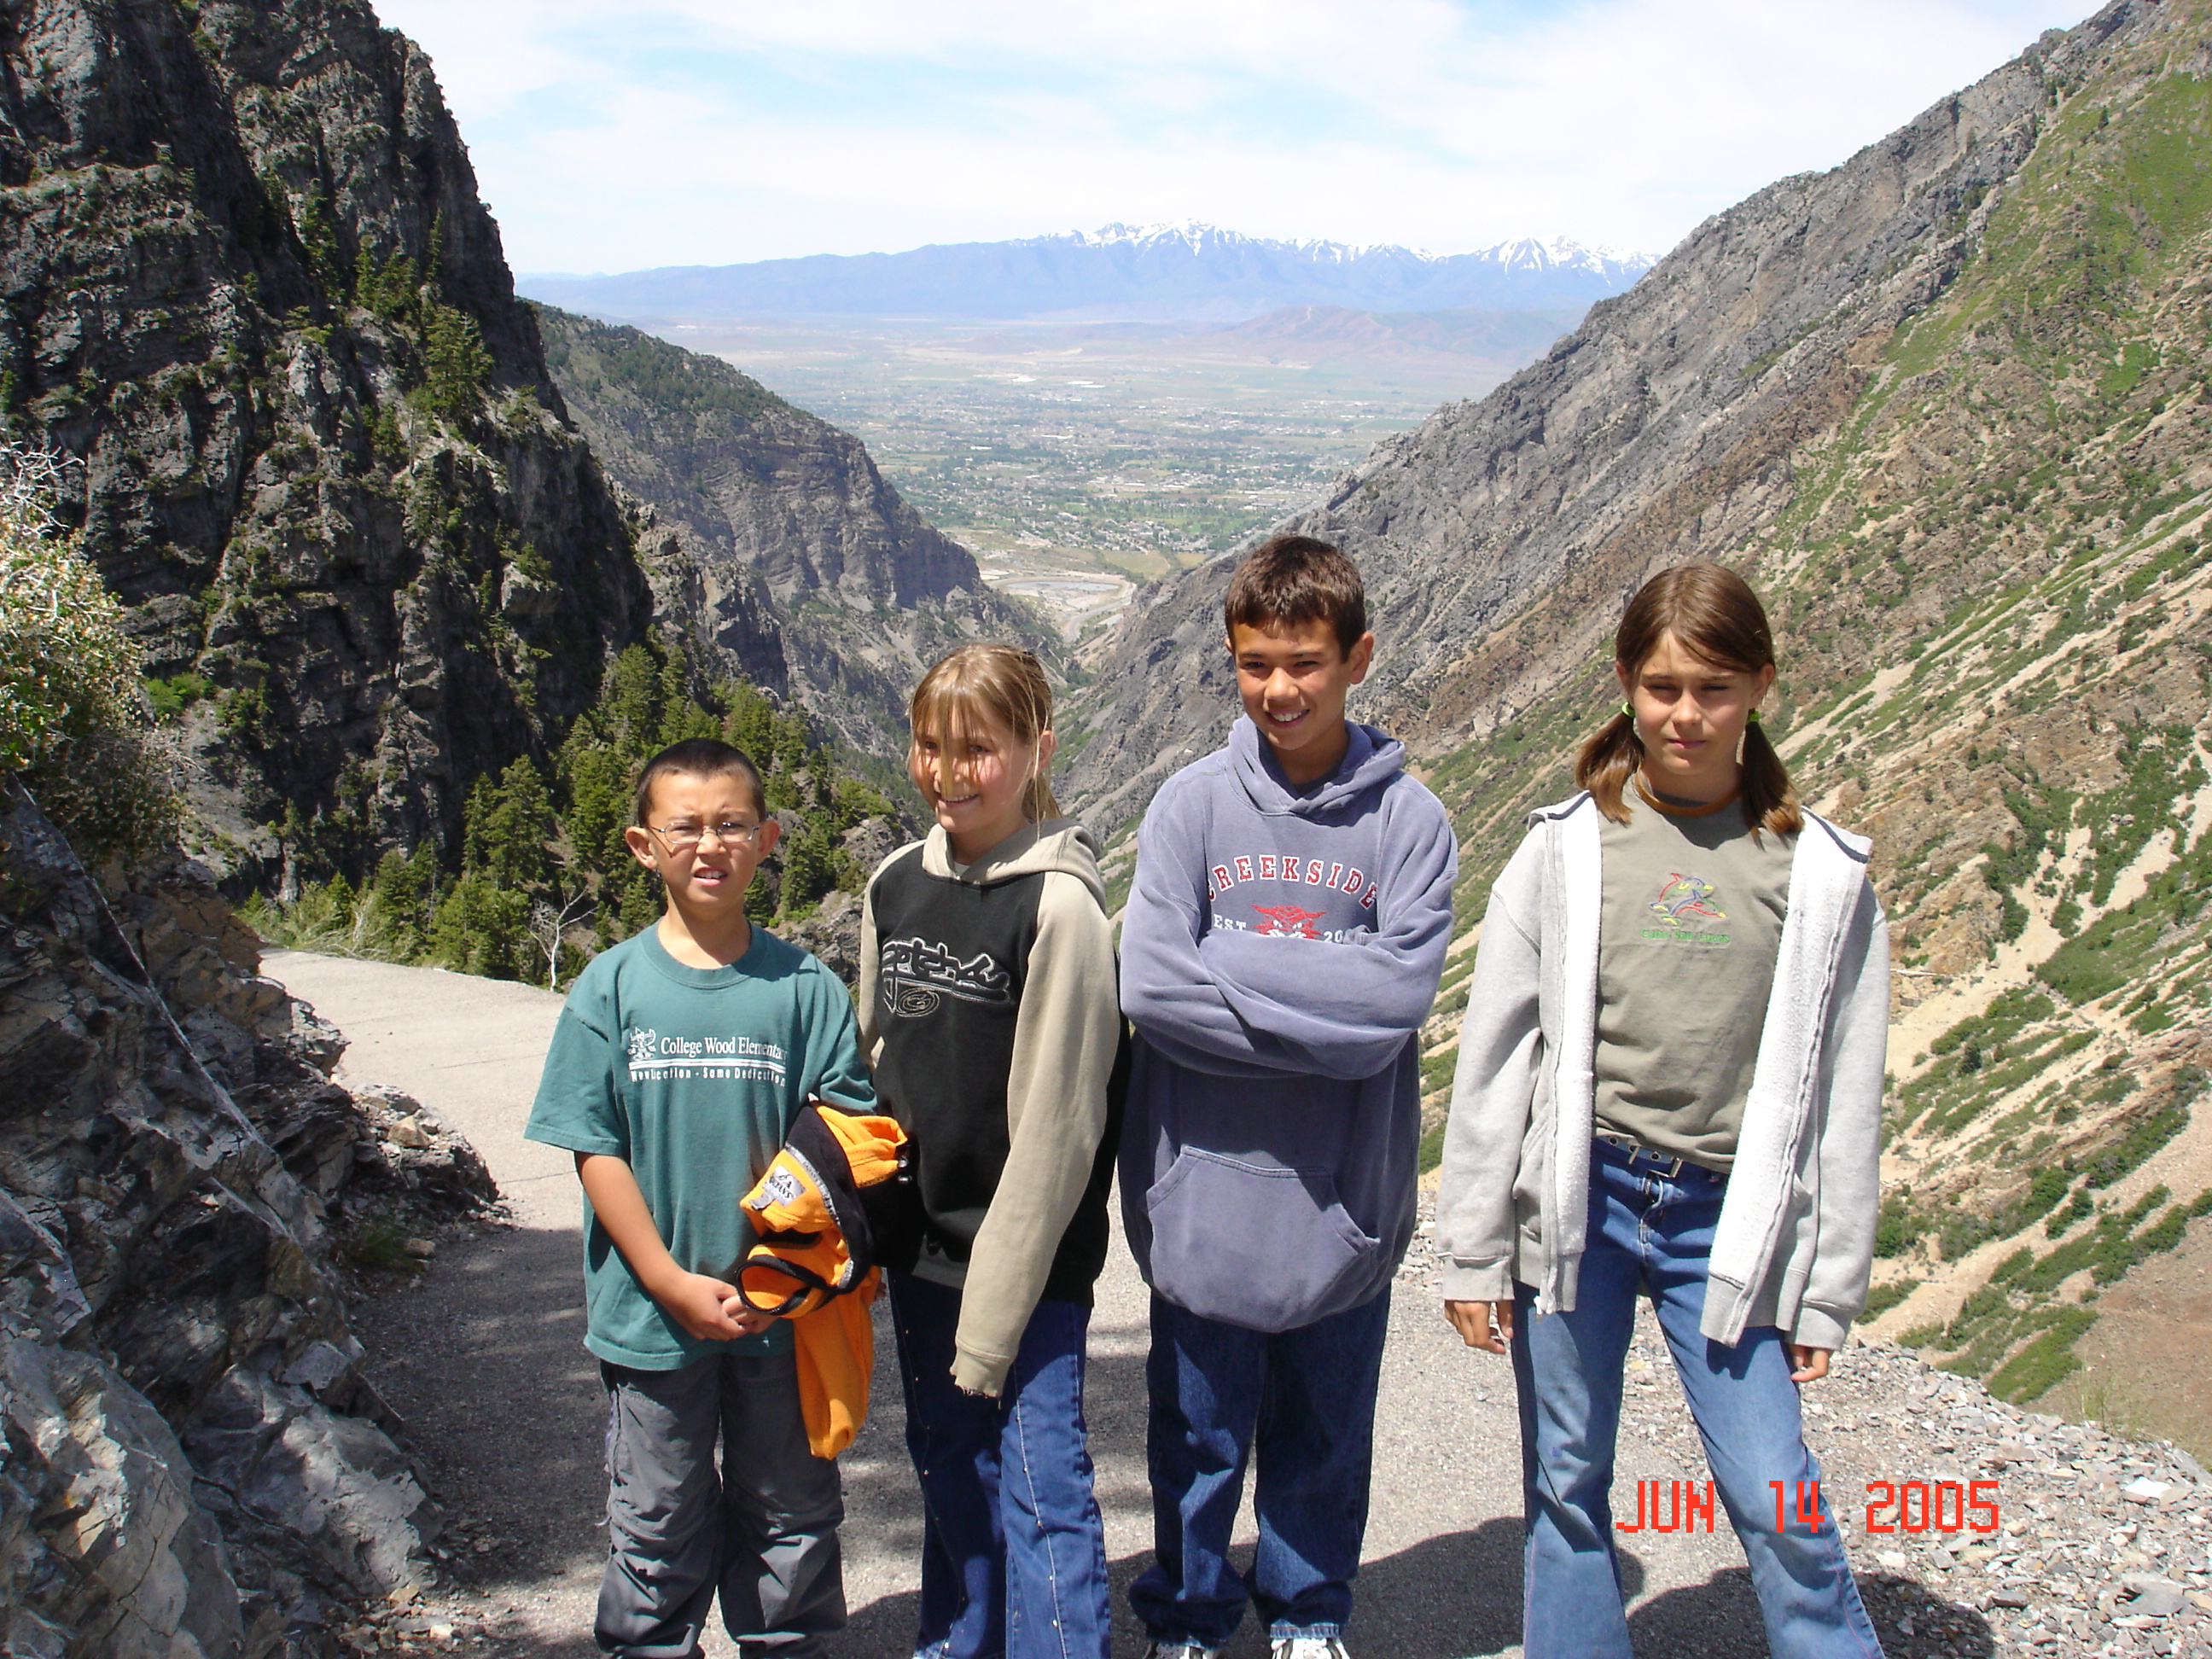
x=598 y=806
x=508 y=827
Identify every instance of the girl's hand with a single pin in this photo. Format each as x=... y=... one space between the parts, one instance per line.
x=1811 y=1364
x=1485 y=1325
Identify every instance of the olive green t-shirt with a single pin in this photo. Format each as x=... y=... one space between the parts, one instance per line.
x=1691 y=919
x=693 y=1076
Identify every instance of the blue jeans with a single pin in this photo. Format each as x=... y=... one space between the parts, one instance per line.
x=1301 y=1404
x=1653 y=1232
x=1014 y=1547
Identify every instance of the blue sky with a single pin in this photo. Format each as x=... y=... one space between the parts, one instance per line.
x=612 y=135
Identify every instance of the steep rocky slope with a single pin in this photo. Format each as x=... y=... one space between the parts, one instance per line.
x=249 y=287
x=252 y=296
x=194 y=1467
x=1947 y=405
x=1637 y=440
x=812 y=570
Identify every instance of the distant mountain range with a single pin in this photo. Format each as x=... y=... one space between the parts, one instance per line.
x=1160 y=273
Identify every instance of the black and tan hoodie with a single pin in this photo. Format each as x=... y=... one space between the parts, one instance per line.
x=989 y=1012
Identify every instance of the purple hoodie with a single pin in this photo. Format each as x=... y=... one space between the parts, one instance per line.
x=1281 y=949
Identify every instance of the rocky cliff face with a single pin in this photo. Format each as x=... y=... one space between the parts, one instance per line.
x=803 y=566
x=250 y=287
x=193 y=1465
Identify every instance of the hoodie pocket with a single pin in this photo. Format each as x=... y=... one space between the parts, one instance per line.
x=1252 y=1245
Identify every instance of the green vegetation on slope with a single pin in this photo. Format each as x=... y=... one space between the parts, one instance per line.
x=664 y=375
x=543 y=879
x=1989 y=579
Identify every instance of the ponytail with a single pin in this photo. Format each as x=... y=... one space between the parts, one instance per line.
x=1608 y=758
x=1769 y=799
x=1038 y=802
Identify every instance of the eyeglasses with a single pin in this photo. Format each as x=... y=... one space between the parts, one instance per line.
x=683 y=838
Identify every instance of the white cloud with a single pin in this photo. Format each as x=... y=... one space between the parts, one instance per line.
x=615 y=135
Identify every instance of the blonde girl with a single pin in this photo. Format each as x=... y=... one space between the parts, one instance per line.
x=989 y=1012
x=1670 y=1083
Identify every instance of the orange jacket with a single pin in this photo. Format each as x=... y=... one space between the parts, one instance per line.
x=815 y=1262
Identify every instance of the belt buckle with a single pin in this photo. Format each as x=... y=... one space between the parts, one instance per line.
x=1671 y=1162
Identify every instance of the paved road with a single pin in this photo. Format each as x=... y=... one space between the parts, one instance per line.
x=485 y=1360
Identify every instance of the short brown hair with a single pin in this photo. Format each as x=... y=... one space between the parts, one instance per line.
x=1005 y=682
x=700 y=758
x=1297 y=579
x=1712 y=612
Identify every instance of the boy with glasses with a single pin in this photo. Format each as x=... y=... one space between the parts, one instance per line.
x=681 y=1058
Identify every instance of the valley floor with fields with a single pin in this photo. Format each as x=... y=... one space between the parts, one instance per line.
x=1076 y=460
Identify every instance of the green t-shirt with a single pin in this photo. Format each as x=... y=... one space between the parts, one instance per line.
x=1691 y=920
x=693 y=1076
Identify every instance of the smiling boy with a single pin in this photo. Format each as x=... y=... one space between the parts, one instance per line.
x=1282 y=945
x=681 y=1058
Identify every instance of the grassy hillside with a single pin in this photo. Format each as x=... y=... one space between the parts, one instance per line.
x=1992 y=568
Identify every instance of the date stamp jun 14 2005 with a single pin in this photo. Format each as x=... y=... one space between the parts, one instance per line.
x=1892 y=1506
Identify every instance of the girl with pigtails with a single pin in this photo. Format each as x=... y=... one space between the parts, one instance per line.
x=1669 y=1084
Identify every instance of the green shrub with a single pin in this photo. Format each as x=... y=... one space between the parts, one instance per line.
x=2138 y=1144
x=2082 y=1205
x=1432 y=1153
x=73 y=722
x=1882 y=1297
x=2046 y=1361
x=169 y=698
x=1899 y=1228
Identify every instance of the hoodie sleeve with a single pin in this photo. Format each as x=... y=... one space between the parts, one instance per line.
x=1066 y=1037
x=1167 y=990
x=1850 y=1151
x=1501 y=1044
x=1379 y=986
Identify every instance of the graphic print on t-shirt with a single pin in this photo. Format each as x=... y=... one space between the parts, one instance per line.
x=916 y=972
x=1684 y=911
x=654 y=1054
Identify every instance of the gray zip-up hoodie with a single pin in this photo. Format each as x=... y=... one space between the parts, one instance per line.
x=1281 y=949
x=1796 y=1238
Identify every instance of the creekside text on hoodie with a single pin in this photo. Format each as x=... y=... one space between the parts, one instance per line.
x=1280 y=950
x=988 y=1010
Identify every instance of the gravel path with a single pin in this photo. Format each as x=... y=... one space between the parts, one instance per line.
x=483 y=1358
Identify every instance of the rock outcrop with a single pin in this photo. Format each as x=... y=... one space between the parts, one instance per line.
x=778 y=549
x=194 y=1467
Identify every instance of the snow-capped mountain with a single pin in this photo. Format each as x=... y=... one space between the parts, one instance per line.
x=1154 y=272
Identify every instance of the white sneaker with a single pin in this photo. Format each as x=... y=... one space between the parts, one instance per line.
x=1307 y=1647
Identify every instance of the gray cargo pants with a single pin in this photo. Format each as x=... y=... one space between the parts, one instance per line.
x=763 y=1530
